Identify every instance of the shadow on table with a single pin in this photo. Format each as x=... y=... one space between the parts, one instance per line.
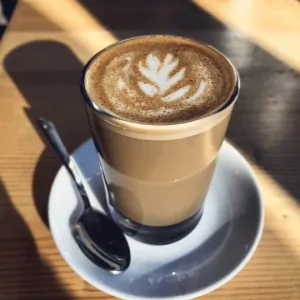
x=141 y=17
x=47 y=74
x=265 y=123
x=23 y=274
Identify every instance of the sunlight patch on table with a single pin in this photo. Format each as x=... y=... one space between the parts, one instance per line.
x=273 y=25
x=76 y=22
x=282 y=210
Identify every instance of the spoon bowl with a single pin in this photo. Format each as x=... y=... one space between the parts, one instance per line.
x=93 y=229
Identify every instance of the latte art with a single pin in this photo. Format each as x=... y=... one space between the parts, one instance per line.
x=159 y=74
x=159 y=79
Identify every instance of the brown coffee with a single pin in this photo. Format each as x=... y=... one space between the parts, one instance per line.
x=159 y=138
x=159 y=79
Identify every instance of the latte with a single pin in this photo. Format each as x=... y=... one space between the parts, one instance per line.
x=159 y=79
x=168 y=102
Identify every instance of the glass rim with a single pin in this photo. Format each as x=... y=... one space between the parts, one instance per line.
x=105 y=113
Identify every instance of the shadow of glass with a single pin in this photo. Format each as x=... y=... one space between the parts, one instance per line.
x=23 y=274
x=211 y=261
x=265 y=122
x=47 y=73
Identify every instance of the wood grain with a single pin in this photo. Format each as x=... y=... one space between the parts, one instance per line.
x=42 y=54
x=273 y=24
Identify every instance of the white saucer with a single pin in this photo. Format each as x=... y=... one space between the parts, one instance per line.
x=213 y=253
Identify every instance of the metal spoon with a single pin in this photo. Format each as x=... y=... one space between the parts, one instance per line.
x=99 y=238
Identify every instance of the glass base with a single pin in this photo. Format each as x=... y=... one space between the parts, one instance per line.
x=155 y=235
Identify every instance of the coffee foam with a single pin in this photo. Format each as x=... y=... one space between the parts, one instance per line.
x=159 y=79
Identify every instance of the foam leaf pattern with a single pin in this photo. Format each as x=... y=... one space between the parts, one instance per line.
x=158 y=73
x=177 y=94
x=148 y=89
x=158 y=79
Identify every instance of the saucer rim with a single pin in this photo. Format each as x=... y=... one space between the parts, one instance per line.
x=202 y=291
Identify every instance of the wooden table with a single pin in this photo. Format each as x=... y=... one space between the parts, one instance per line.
x=42 y=53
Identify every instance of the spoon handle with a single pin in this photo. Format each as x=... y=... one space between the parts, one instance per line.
x=54 y=139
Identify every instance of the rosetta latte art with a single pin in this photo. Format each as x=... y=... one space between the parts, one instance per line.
x=159 y=74
x=159 y=79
